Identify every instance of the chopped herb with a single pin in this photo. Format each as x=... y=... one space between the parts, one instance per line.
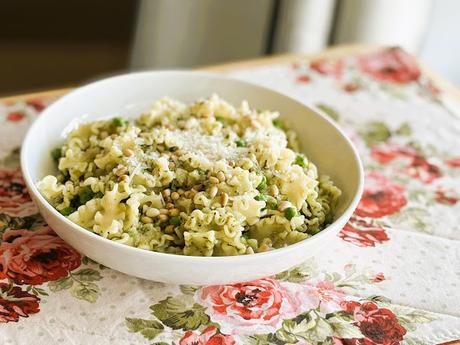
x=260 y=197
x=259 y=110
x=86 y=195
x=271 y=203
x=263 y=184
x=119 y=122
x=220 y=119
x=300 y=160
x=240 y=143
x=99 y=195
x=290 y=212
x=313 y=231
x=56 y=154
x=278 y=123
x=67 y=211
x=174 y=221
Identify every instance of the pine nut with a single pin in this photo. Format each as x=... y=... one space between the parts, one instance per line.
x=153 y=212
x=164 y=211
x=163 y=218
x=169 y=229
x=175 y=195
x=128 y=152
x=166 y=193
x=146 y=220
x=213 y=180
x=213 y=191
x=224 y=199
x=263 y=248
x=174 y=212
x=221 y=176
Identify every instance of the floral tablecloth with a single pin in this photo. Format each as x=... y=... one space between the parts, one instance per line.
x=391 y=276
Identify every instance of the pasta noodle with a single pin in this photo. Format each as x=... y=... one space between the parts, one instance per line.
x=200 y=179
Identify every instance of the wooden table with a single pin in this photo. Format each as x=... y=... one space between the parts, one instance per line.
x=334 y=51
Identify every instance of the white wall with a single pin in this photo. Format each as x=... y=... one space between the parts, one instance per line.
x=385 y=22
x=179 y=33
x=441 y=48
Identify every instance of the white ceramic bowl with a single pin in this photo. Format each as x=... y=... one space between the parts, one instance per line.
x=128 y=95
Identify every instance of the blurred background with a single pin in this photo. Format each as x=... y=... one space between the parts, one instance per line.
x=49 y=43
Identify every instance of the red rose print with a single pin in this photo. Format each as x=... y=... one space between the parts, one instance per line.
x=351 y=87
x=208 y=337
x=333 y=68
x=362 y=234
x=386 y=153
x=258 y=306
x=303 y=79
x=381 y=197
x=379 y=277
x=448 y=197
x=36 y=256
x=328 y=295
x=15 y=116
x=431 y=89
x=391 y=65
x=14 y=198
x=37 y=104
x=423 y=170
x=453 y=162
x=378 y=325
x=15 y=303
x=417 y=166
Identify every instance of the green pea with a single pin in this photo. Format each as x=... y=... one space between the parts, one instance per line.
x=67 y=211
x=300 y=160
x=240 y=143
x=56 y=154
x=290 y=212
x=260 y=197
x=263 y=184
x=86 y=195
x=278 y=123
x=119 y=122
x=174 y=221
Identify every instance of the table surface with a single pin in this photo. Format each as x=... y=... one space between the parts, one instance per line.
x=391 y=276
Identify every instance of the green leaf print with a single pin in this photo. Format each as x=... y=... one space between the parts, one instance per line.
x=412 y=341
x=375 y=132
x=412 y=217
x=180 y=313
x=299 y=273
x=81 y=284
x=189 y=289
x=308 y=326
x=332 y=113
x=148 y=328
x=404 y=130
x=8 y=222
x=344 y=327
x=61 y=284
x=85 y=291
x=87 y=275
x=410 y=320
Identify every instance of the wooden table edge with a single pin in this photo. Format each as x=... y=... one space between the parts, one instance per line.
x=331 y=52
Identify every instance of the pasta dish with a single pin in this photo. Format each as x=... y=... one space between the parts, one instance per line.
x=203 y=179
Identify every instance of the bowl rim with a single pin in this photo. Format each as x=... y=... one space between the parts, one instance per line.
x=31 y=185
